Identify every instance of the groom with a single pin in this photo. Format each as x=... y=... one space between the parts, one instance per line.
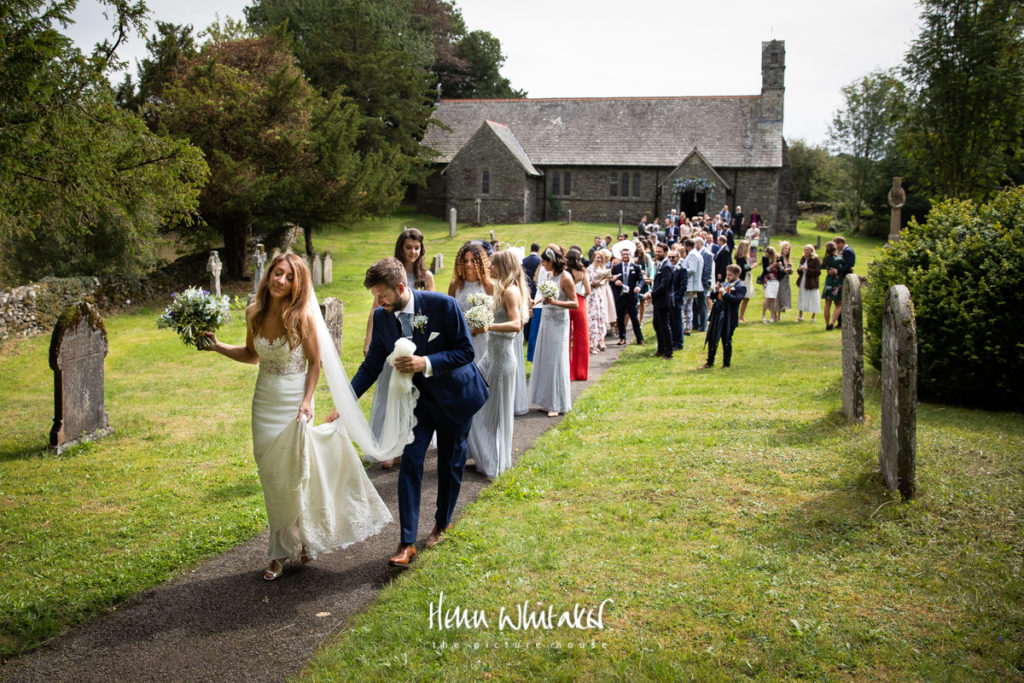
x=451 y=391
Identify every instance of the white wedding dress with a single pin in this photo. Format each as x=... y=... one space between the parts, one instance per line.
x=316 y=490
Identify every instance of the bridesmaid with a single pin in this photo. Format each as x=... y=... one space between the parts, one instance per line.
x=490 y=437
x=785 y=301
x=409 y=250
x=579 y=332
x=549 y=380
x=472 y=276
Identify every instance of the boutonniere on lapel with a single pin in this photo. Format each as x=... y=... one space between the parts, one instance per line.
x=419 y=321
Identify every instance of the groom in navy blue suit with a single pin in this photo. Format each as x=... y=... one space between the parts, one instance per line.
x=451 y=390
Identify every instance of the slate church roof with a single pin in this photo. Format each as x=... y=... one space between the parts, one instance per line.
x=655 y=131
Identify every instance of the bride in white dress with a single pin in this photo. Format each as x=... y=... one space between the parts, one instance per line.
x=317 y=494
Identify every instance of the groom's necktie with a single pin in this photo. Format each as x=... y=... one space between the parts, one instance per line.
x=406 y=320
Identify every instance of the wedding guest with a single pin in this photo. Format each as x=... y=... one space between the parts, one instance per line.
x=737 y=220
x=728 y=296
x=597 y=246
x=542 y=275
x=785 y=300
x=472 y=275
x=753 y=234
x=701 y=245
x=597 y=306
x=628 y=279
x=280 y=336
x=680 y=279
x=743 y=261
x=833 y=285
x=770 y=277
x=661 y=301
x=549 y=387
x=646 y=263
x=755 y=217
x=609 y=294
x=723 y=257
x=724 y=215
x=808 y=298
x=490 y=436
x=847 y=259
x=409 y=249
x=694 y=265
x=579 y=332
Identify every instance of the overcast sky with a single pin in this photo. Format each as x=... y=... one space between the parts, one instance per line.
x=647 y=48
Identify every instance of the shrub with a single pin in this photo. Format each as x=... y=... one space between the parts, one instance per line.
x=963 y=270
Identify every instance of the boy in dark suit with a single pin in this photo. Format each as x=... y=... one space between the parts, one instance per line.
x=727 y=305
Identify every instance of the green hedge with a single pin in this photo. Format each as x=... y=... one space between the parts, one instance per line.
x=964 y=270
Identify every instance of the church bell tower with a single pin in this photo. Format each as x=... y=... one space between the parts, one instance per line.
x=773 y=79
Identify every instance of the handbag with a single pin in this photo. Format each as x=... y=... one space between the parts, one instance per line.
x=760 y=279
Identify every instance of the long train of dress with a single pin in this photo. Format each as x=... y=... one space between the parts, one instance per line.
x=315 y=488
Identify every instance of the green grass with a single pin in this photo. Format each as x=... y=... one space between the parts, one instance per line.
x=734 y=518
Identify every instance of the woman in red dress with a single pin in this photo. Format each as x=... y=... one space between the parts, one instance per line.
x=579 y=331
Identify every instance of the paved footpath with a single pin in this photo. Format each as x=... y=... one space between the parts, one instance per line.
x=222 y=621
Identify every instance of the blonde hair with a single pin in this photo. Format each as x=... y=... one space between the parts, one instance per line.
x=783 y=246
x=814 y=252
x=508 y=274
x=743 y=249
x=293 y=315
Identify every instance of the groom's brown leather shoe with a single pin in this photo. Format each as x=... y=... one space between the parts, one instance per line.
x=436 y=536
x=404 y=556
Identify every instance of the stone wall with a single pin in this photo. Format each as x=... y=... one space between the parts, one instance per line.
x=32 y=309
x=507 y=182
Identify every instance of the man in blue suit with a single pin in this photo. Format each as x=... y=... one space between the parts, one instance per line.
x=451 y=391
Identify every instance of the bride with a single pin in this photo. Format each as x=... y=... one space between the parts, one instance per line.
x=317 y=494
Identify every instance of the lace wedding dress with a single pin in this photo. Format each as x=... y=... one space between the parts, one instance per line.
x=316 y=490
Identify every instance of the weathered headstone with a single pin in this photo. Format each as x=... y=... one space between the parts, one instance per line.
x=438 y=265
x=493 y=238
x=478 y=221
x=77 y=349
x=453 y=216
x=328 y=268
x=766 y=237
x=897 y=198
x=853 y=349
x=258 y=260
x=570 y=216
x=214 y=267
x=316 y=269
x=620 y=221
x=334 y=315
x=899 y=392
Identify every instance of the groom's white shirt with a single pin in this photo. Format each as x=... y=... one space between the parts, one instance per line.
x=410 y=308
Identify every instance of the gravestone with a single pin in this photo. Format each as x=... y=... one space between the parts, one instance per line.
x=316 y=269
x=334 y=314
x=570 y=216
x=899 y=392
x=493 y=238
x=853 y=349
x=438 y=265
x=478 y=221
x=77 y=349
x=328 y=268
x=453 y=216
x=214 y=267
x=620 y=221
x=258 y=260
x=766 y=237
x=897 y=198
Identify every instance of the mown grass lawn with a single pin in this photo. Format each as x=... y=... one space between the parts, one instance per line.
x=732 y=516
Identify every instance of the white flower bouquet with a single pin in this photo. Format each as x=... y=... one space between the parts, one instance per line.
x=548 y=289
x=193 y=312
x=480 y=299
x=480 y=317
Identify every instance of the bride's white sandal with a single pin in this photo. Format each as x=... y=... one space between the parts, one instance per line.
x=269 y=574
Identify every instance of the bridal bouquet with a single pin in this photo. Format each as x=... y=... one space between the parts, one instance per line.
x=548 y=289
x=193 y=312
x=480 y=316
x=479 y=299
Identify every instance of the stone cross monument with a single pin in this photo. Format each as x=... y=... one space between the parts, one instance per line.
x=259 y=261
x=214 y=267
x=77 y=349
x=897 y=198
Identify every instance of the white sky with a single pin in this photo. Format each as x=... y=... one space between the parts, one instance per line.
x=645 y=48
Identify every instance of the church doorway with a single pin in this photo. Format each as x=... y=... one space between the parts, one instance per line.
x=691 y=203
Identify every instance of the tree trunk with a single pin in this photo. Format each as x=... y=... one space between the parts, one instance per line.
x=234 y=233
x=307 y=232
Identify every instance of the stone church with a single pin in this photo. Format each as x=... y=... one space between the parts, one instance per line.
x=527 y=160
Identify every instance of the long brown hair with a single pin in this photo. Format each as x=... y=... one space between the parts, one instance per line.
x=419 y=272
x=293 y=315
x=483 y=266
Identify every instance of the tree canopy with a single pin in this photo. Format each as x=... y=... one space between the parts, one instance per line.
x=84 y=186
